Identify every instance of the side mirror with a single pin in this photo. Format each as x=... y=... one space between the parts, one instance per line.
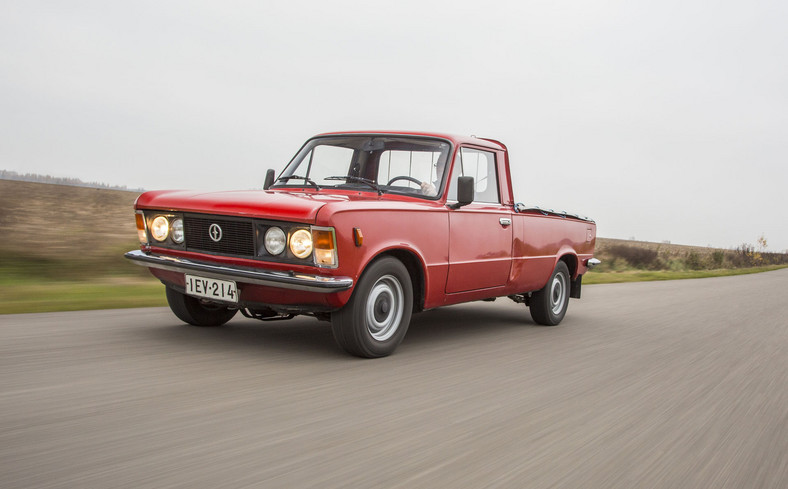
x=269 y=179
x=465 y=192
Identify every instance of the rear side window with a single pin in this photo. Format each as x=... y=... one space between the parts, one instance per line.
x=481 y=166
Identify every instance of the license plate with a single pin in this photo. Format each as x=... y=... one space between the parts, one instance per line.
x=210 y=288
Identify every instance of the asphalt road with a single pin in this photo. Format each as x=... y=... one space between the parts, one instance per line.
x=666 y=384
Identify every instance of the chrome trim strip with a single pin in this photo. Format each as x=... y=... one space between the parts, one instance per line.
x=270 y=278
x=520 y=207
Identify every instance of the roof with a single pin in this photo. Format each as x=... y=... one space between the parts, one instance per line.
x=455 y=139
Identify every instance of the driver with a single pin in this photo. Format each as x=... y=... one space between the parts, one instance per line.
x=430 y=189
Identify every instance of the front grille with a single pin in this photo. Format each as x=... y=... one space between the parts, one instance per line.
x=237 y=235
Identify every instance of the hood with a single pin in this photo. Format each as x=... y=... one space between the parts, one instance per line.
x=276 y=205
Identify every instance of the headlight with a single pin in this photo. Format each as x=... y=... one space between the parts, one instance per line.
x=275 y=240
x=160 y=228
x=177 y=230
x=301 y=243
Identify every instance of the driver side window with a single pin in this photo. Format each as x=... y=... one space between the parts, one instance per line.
x=481 y=166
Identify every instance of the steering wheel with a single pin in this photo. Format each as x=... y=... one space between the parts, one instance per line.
x=403 y=177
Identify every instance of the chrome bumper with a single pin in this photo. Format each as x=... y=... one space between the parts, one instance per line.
x=269 y=278
x=592 y=262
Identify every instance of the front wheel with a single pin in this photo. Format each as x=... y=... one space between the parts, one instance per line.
x=548 y=305
x=374 y=322
x=192 y=311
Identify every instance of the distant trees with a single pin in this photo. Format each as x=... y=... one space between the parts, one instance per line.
x=762 y=243
x=74 y=182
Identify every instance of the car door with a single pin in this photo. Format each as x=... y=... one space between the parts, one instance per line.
x=480 y=233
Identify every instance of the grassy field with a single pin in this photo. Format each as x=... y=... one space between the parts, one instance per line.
x=64 y=251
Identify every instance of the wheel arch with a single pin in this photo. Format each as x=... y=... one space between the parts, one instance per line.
x=415 y=266
x=575 y=281
x=571 y=263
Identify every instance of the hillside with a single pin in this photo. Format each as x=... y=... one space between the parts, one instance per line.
x=70 y=230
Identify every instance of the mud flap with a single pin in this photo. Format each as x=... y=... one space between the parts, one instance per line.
x=574 y=288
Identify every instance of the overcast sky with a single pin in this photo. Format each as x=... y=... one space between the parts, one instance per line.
x=664 y=120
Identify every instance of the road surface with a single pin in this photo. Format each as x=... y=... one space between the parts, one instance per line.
x=678 y=384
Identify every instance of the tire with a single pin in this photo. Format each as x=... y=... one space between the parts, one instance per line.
x=191 y=311
x=374 y=322
x=548 y=305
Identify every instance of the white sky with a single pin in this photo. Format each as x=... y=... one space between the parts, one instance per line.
x=662 y=120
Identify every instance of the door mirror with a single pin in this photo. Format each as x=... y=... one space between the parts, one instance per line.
x=269 y=179
x=465 y=192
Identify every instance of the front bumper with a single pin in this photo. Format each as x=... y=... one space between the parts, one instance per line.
x=270 y=278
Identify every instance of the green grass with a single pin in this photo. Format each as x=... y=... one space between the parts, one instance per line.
x=36 y=295
x=108 y=263
x=28 y=296
x=646 y=276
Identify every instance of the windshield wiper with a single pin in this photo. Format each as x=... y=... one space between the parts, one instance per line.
x=352 y=178
x=298 y=177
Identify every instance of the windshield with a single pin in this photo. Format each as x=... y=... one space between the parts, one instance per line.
x=398 y=164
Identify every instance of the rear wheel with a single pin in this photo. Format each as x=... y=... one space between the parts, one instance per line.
x=374 y=322
x=192 y=311
x=548 y=305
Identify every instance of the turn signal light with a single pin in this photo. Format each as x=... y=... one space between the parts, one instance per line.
x=324 y=247
x=141 y=232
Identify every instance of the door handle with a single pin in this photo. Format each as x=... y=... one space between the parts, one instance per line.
x=505 y=221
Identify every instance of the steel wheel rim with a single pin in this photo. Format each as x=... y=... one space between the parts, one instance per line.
x=384 y=308
x=558 y=293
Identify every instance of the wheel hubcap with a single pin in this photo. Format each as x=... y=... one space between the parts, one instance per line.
x=384 y=308
x=558 y=293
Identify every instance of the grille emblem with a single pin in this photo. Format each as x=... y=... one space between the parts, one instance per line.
x=215 y=232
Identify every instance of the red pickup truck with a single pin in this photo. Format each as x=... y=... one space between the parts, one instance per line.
x=363 y=229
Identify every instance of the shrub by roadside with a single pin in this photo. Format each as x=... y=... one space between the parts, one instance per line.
x=620 y=256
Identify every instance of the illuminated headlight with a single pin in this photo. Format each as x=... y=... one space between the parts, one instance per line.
x=275 y=240
x=301 y=243
x=160 y=228
x=177 y=230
